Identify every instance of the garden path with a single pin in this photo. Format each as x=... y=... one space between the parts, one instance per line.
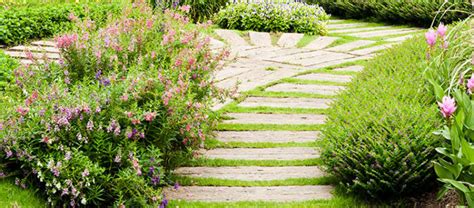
x=267 y=148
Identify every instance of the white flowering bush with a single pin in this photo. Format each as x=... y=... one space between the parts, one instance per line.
x=274 y=17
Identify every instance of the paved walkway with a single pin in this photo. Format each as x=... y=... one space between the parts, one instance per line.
x=257 y=145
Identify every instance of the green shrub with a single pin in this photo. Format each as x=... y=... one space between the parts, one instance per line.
x=378 y=138
x=201 y=10
x=7 y=65
x=127 y=103
x=270 y=17
x=405 y=11
x=18 y=25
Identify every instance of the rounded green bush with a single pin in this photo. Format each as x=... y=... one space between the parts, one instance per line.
x=379 y=137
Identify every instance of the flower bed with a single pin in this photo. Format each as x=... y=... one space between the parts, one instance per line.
x=405 y=11
x=272 y=17
x=20 y=24
x=127 y=104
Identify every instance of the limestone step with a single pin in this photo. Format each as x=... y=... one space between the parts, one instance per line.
x=370 y=50
x=251 y=173
x=40 y=49
x=320 y=43
x=44 y=43
x=343 y=26
x=260 y=38
x=260 y=118
x=313 y=103
x=355 y=68
x=379 y=33
x=18 y=54
x=268 y=136
x=235 y=194
x=360 y=29
x=281 y=153
x=231 y=37
x=314 y=89
x=289 y=40
x=326 y=77
x=351 y=45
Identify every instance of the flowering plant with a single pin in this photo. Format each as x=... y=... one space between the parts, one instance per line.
x=123 y=107
x=450 y=72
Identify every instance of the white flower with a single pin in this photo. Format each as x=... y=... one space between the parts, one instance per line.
x=83 y=201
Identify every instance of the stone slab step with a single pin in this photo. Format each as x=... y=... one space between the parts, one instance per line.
x=320 y=43
x=344 y=26
x=314 y=89
x=44 y=43
x=370 y=50
x=326 y=77
x=351 y=45
x=355 y=68
x=35 y=49
x=339 y=61
x=281 y=153
x=361 y=29
x=289 y=40
x=260 y=38
x=255 y=118
x=378 y=33
x=398 y=39
x=231 y=37
x=216 y=44
x=235 y=194
x=251 y=173
x=268 y=136
x=313 y=103
x=305 y=58
x=18 y=54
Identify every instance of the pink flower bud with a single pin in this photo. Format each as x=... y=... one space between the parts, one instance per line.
x=470 y=84
x=448 y=106
x=442 y=29
x=430 y=37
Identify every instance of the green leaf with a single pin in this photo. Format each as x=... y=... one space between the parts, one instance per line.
x=458 y=185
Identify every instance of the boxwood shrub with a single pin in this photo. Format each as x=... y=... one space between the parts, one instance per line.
x=379 y=136
x=200 y=11
x=399 y=11
x=272 y=17
x=20 y=24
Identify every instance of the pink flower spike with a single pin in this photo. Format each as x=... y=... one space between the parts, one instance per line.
x=448 y=106
x=442 y=29
x=185 y=8
x=470 y=84
x=430 y=37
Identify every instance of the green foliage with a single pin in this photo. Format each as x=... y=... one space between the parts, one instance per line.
x=270 y=17
x=405 y=11
x=20 y=24
x=128 y=103
x=378 y=139
x=448 y=72
x=201 y=10
x=7 y=65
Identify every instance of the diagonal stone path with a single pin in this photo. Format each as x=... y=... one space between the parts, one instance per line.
x=260 y=67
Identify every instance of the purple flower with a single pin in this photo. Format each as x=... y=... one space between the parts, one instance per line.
x=442 y=29
x=176 y=185
x=448 y=106
x=98 y=74
x=152 y=170
x=85 y=173
x=155 y=180
x=65 y=192
x=106 y=82
x=9 y=153
x=117 y=158
x=67 y=156
x=90 y=125
x=164 y=203
x=2 y=174
x=470 y=84
x=430 y=37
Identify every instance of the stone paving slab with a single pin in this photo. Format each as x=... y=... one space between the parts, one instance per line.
x=18 y=54
x=234 y=194
x=378 y=33
x=35 y=49
x=313 y=103
x=216 y=44
x=346 y=25
x=44 y=43
x=335 y=21
x=370 y=50
x=361 y=29
x=340 y=61
x=351 y=45
x=326 y=77
x=328 y=57
x=254 y=118
x=251 y=173
x=355 y=68
x=289 y=40
x=268 y=136
x=321 y=42
x=281 y=153
x=260 y=38
x=399 y=39
x=314 y=89
x=231 y=37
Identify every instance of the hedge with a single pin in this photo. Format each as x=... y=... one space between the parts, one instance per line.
x=20 y=24
x=417 y=12
x=379 y=137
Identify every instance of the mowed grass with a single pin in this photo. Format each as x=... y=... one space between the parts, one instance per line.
x=14 y=196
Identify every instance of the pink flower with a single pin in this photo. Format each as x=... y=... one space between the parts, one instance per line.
x=448 y=106
x=185 y=8
x=470 y=84
x=66 y=41
x=149 y=23
x=72 y=17
x=430 y=37
x=23 y=111
x=150 y=116
x=442 y=29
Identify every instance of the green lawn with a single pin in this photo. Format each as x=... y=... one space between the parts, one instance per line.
x=14 y=196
